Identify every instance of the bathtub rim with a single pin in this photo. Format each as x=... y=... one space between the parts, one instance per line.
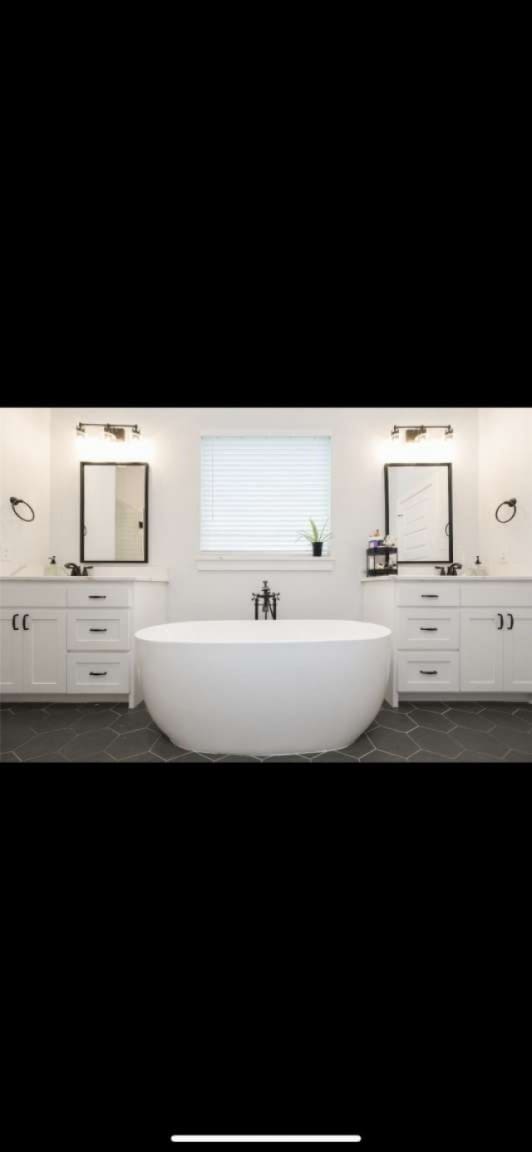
x=260 y=632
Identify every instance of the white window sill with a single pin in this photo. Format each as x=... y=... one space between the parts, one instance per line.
x=271 y=562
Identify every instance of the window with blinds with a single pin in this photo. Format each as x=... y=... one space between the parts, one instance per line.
x=259 y=492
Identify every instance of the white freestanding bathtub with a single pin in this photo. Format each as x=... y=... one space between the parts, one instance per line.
x=264 y=687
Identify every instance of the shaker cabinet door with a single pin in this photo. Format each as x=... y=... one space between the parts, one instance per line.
x=10 y=650
x=481 y=656
x=44 y=645
x=518 y=649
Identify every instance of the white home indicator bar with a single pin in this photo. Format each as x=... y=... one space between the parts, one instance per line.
x=266 y=1139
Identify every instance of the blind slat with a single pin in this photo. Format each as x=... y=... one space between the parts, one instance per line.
x=258 y=493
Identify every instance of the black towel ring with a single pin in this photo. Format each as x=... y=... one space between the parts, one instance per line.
x=13 y=501
x=511 y=504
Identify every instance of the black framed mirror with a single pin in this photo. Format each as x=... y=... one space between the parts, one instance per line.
x=418 y=511
x=113 y=513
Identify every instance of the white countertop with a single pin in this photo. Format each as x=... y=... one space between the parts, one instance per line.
x=421 y=576
x=142 y=574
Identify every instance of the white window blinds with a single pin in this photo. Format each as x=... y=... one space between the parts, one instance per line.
x=258 y=492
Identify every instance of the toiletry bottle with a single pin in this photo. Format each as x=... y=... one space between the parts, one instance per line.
x=52 y=567
x=478 y=569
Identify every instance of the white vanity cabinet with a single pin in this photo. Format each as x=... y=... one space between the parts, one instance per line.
x=455 y=635
x=59 y=638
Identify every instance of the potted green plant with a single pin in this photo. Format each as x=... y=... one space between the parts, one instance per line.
x=317 y=537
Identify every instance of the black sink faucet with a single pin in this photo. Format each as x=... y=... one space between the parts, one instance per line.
x=452 y=569
x=269 y=601
x=76 y=570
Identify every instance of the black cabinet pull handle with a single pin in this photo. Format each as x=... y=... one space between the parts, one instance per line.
x=510 y=626
x=13 y=625
x=421 y=629
x=97 y=629
x=97 y=673
x=499 y=614
x=97 y=597
x=24 y=618
x=424 y=673
x=430 y=596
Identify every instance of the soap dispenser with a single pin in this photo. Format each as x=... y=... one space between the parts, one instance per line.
x=478 y=569
x=51 y=567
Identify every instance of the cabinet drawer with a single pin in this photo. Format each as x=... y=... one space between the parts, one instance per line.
x=104 y=629
x=105 y=672
x=98 y=594
x=429 y=593
x=428 y=628
x=478 y=593
x=431 y=672
x=32 y=594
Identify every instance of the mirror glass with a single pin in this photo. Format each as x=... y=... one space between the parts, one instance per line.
x=419 y=511
x=114 y=513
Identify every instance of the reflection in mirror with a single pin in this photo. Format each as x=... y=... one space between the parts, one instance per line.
x=419 y=511
x=114 y=513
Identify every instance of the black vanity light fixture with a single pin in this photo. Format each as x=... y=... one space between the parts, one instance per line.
x=111 y=431
x=415 y=432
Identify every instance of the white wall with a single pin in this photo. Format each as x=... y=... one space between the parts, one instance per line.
x=171 y=444
x=505 y=470
x=25 y=473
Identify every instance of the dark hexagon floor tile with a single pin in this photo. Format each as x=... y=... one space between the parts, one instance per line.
x=398 y=721
x=396 y=743
x=332 y=758
x=75 y=709
x=380 y=757
x=521 y=741
x=45 y=742
x=518 y=757
x=525 y=714
x=402 y=707
x=99 y=758
x=439 y=742
x=480 y=742
x=133 y=721
x=517 y=723
x=479 y=721
x=86 y=745
x=359 y=748
x=426 y=758
x=26 y=707
x=132 y=744
x=433 y=705
x=9 y=758
x=13 y=731
x=148 y=758
x=96 y=718
x=428 y=719
x=507 y=706
x=165 y=749
x=474 y=706
x=52 y=721
x=192 y=758
x=477 y=758
x=50 y=758
x=281 y=759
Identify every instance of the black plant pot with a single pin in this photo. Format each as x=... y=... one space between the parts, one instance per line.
x=317 y=547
